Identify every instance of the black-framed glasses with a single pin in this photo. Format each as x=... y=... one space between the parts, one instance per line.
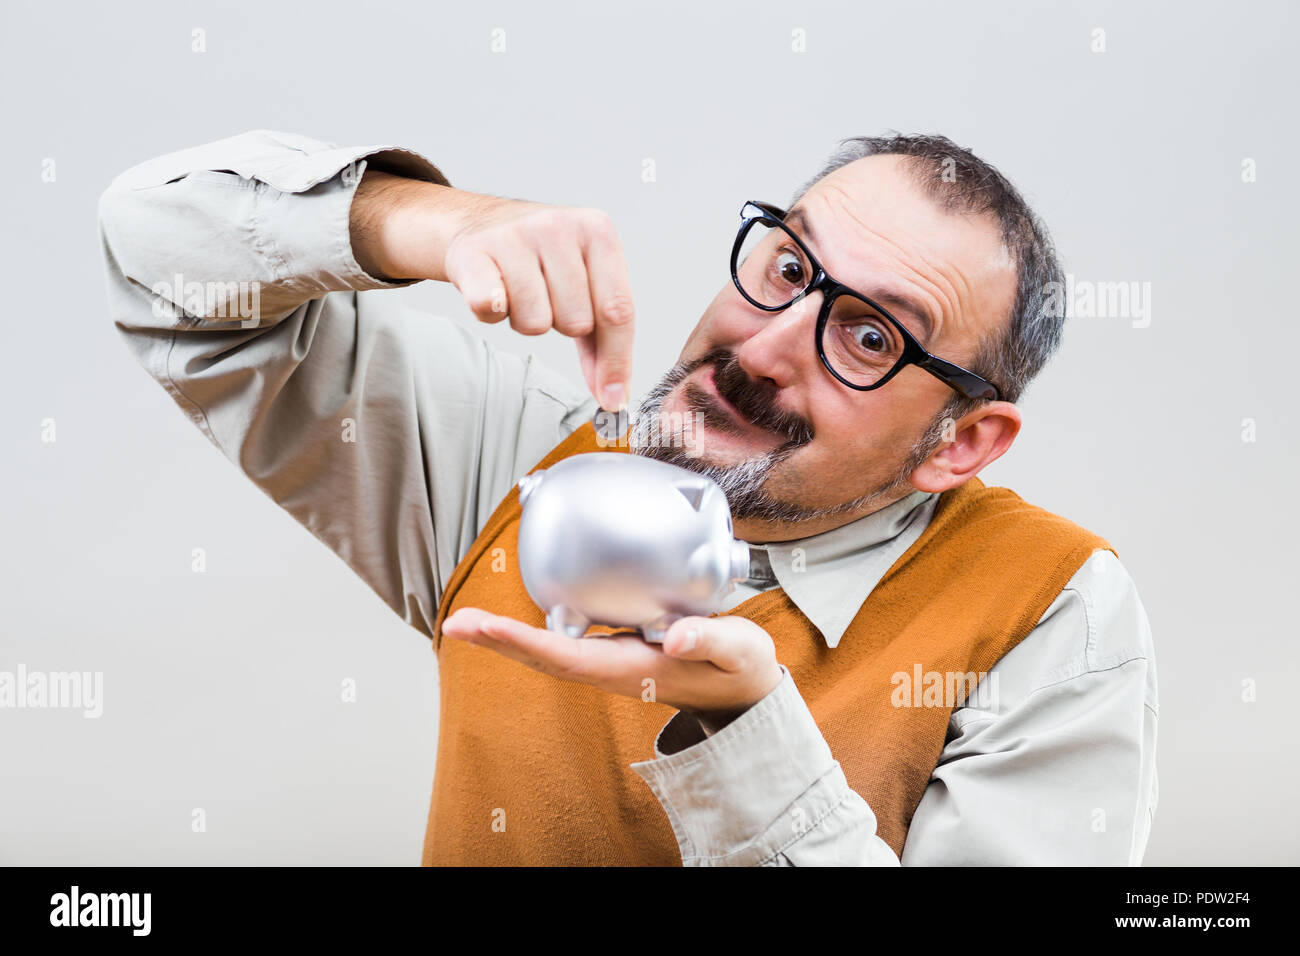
x=858 y=340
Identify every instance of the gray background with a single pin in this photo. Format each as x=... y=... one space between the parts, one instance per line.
x=222 y=689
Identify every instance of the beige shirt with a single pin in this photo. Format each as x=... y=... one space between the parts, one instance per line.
x=392 y=435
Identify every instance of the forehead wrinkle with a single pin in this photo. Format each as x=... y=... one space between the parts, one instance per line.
x=941 y=288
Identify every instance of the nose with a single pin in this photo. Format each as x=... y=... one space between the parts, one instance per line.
x=783 y=349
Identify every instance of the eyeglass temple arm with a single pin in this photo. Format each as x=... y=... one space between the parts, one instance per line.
x=966 y=382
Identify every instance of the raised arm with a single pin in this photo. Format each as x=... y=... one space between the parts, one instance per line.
x=235 y=275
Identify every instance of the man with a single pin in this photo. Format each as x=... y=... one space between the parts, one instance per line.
x=920 y=668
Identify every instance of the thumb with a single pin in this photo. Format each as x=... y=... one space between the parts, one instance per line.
x=727 y=642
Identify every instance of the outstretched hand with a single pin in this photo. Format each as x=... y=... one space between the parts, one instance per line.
x=713 y=667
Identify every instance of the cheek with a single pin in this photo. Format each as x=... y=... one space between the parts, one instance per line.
x=864 y=428
x=728 y=320
x=708 y=333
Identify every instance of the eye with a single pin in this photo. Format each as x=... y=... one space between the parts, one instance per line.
x=789 y=267
x=870 y=336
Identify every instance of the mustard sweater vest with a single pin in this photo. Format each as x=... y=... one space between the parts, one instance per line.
x=532 y=770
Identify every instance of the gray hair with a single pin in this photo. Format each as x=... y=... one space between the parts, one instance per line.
x=961 y=182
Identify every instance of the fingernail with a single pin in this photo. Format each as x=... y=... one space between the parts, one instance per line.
x=689 y=640
x=612 y=398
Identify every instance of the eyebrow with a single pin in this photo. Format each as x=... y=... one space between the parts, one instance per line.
x=799 y=218
x=896 y=302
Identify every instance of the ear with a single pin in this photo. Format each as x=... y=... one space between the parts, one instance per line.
x=976 y=439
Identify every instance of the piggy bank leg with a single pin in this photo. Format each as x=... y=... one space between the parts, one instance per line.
x=655 y=631
x=567 y=621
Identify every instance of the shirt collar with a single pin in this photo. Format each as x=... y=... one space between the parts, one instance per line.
x=829 y=575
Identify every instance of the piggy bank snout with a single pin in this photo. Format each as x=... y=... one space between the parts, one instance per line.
x=739 y=561
x=710 y=567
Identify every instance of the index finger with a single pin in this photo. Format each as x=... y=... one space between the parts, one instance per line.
x=615 y=318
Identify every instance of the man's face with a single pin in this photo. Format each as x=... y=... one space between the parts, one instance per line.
x=790 y=444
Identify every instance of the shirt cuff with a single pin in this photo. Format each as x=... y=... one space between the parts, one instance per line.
x=741 y=796
x=303 y=220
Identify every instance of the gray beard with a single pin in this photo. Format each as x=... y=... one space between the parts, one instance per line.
x=743 y=481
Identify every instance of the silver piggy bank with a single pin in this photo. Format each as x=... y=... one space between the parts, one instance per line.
x=625 y=541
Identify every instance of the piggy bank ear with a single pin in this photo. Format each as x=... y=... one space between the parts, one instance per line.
x=692 y=490
x=528 y=484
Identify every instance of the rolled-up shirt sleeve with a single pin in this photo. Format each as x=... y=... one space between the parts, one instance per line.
x=389 y=433
x=264 y=211
x=1056 y=766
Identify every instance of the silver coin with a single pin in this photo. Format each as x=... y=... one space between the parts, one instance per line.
x=611 y=426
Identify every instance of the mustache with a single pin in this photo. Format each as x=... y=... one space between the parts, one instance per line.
x=756 y=402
